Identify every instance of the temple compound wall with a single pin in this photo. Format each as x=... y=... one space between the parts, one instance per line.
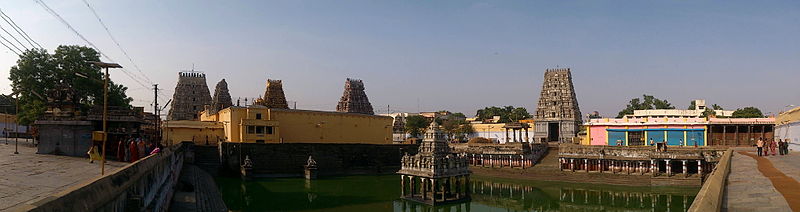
x=288 y=159
x=191 y=96
x=557 y=117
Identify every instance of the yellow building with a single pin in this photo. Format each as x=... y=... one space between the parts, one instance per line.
x=258 y=124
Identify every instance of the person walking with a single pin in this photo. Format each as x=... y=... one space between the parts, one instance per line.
x=760 y=146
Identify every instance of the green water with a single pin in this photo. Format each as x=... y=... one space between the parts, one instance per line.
x=381 y=193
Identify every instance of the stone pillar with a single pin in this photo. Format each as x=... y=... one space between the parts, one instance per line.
x=527 y=139
x=403 y=185
x=444 y=191
x=653 y=166
x=700 y=167
x=685 y=170
x=413 y=184
x=641 y=168
x=424 y=188
x=600 y=165
x=506 y=134
x=669 y=168
x=572 y=165
x=586 y=164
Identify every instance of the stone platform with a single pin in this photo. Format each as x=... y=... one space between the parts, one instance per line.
x=28 y=177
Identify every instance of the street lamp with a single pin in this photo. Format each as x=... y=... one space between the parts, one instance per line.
x=105 y=109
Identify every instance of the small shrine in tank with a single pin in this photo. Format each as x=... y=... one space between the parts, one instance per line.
x=434 y=175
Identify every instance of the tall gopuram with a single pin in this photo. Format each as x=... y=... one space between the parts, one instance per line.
x=557 y=117
x=354 y=99
x=273 y=96
x=221 y=98
x=434 y=175
x=190 y=97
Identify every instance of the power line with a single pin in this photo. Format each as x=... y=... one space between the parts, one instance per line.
x=9 y=48
x=12 y=44
x=115 y=41
x=55 y=14
x=14 y=25
x=14 y=37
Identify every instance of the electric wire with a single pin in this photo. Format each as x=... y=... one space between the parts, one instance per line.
x=116 y=42
x=19 y=30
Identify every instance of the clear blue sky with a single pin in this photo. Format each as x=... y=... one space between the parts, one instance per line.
x=446 y=55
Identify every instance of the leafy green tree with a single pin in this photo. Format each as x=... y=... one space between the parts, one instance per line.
x=507 y=113
x=37 y=72
x=415 y=125
x=649 y=103
x=716 y=107
x=692 y=105
x=747 y=112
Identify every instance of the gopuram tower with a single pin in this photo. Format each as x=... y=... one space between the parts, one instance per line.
x=273 y=96
x=557 y=117
x=190 y=97
x=221 y=98
x=434 y=175
x=354 y=99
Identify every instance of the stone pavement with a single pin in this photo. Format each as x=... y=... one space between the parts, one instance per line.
x=750 y=184
x=28 y=177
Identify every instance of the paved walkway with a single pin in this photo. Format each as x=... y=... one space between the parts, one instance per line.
x=28 y=177
x=751 y=184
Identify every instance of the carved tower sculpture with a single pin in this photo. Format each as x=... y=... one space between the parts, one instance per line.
x=354 y=99
x=435 y=175
x=221 y=98
x=273 y=97
x=190 y=97
x=558 y=117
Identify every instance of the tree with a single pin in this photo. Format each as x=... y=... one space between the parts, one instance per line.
x=415 y=125
x=37 y=72
x=747 y=112
x=649 y=103
x=716 y=107
x=507 y=113
x=692 y=105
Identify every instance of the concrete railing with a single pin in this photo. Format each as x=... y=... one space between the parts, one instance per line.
x=710 y=196
x=145 y=185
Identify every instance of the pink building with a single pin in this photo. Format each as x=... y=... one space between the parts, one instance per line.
x=646 y=131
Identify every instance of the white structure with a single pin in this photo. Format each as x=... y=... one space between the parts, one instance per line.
x=398 y=125
x=699 y=108
x=787 y=126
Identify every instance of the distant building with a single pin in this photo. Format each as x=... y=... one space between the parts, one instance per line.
x=678 y=131
x=787 y=127
x=259 y=124
x=398 y=125
x=697 y=112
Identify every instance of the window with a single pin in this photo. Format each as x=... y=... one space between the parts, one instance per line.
x=268 y=130
x=258 y=115
x=251 y=129
x=260 y=130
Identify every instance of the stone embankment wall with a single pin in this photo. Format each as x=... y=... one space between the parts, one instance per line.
x=288 y=159
x=146 y=185
x=710 y=196
x=507 y=155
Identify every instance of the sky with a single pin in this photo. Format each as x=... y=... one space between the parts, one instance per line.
x=457 y=55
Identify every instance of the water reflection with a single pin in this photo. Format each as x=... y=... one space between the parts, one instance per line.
x=381 y=193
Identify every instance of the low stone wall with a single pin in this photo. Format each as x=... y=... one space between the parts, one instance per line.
x=145 y=185
x=710 y=196
x=511 y=148
x=288 y=159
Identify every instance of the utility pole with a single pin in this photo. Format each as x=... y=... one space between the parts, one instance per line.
x=105 y=109
x=157 y=112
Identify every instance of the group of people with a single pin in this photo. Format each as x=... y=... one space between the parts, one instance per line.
x=765 y=147
x=128 y=150
x=133 y=149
